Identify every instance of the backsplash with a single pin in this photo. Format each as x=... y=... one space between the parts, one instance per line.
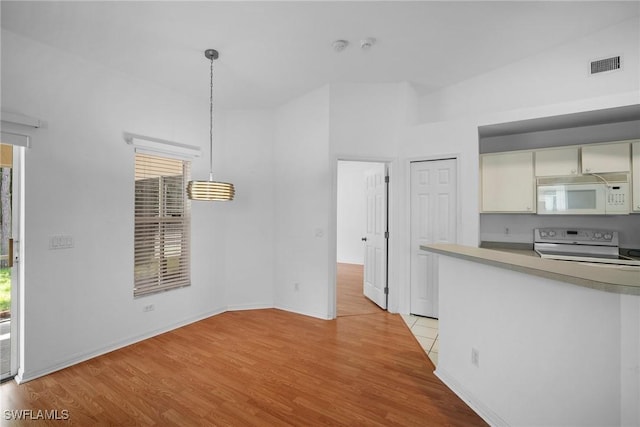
x=518 y=228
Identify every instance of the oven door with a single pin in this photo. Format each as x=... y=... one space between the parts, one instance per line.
x=571 y=199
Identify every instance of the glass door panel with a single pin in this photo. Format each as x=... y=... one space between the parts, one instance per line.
x=6 y=257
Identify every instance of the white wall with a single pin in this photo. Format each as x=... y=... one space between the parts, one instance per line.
x=630 y=360
x=246 y=159
x=366 y=118
x=79 y=181
x=352 y=209
x=302 y=190
x=550 y=353
x=345 y=121
x=554 y=76
x=366 y=122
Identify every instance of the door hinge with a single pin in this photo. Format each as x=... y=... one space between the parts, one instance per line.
x=386 y=179
x=386 y=234
x=386 y=290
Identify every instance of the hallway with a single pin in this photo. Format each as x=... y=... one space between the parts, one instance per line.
x=351 y=302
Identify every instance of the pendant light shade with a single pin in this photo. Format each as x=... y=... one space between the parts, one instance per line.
x=210 y=190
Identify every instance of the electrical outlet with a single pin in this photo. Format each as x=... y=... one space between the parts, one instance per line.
x=148 y=307
x=61 y=241
x=475 y=357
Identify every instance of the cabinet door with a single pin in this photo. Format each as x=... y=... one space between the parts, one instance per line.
x=508 y=182
x=636 y=176
x=554 y=162
x=604 y=158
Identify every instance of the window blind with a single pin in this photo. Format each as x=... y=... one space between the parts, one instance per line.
x=162 y=224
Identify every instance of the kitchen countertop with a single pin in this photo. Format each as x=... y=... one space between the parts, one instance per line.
x=605 y=277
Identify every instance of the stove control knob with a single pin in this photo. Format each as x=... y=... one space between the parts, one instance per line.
x=543 y=233
x=598 y=235
x=608 y=236
x=551 y=233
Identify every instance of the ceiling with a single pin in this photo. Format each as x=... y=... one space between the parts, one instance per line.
x=272 y=52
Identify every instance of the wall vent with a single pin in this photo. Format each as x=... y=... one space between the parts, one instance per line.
x=607 y=64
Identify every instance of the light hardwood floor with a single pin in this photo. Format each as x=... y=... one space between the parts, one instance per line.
x=349 y=298
x=254 y=368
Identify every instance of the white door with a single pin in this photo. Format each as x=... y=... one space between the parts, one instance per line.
x=375 y=239
x=433 y=220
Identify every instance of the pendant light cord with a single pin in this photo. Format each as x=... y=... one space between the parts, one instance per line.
x=211 y=123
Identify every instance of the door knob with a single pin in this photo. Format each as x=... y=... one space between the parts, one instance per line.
x=364 y=239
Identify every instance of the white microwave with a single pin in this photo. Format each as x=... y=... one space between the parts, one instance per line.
x=583 y=195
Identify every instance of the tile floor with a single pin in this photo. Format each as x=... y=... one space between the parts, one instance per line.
x=425 y=330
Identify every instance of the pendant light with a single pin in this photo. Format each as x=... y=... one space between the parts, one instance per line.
x=210 y=190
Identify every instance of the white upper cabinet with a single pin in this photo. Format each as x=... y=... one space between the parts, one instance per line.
x=636 y=176
x=603 y=158
x=508 y=182
x=557 y=161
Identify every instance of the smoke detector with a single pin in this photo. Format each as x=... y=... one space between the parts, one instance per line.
x=366 y=44
x=339 y=45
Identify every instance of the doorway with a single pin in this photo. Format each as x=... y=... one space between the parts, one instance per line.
x=433 y=200
x=362 y=237
x=9 y=197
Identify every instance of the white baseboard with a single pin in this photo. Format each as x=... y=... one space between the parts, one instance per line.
x=322 y=316
x=23 y=376
x=243 y=307
x=479 y=407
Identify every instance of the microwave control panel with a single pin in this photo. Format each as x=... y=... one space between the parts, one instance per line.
x=576 y=236
x=616 y=201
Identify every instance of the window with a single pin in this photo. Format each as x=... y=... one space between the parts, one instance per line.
x=162 y=224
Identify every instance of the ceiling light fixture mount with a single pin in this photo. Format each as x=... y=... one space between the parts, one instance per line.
x=365 y=44
x=210 y=190
x=340 y=45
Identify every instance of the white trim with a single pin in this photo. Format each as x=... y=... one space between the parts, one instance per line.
x=477 y=406
x=149 y=145
x=15 y=139
x=244 y=307
x=405 y=303
x=392 y=166
x=321 y=316
x=23 y=376
x=20 y=119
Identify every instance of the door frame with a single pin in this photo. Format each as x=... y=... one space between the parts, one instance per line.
x=17 y=274
x=405 y=303
x=392 y=296
x=21 y=130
